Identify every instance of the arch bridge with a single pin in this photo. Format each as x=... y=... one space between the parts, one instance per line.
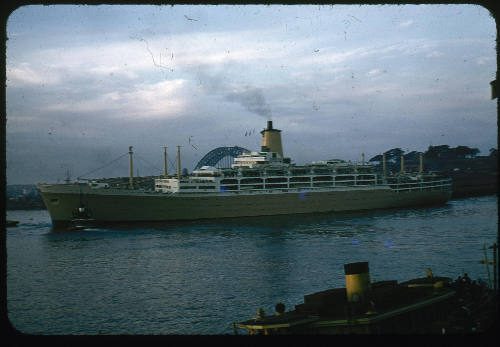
x=221 y=156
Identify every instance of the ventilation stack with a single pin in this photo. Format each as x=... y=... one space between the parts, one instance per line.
x=271 y=139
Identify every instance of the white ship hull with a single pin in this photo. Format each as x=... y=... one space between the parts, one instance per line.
x=118 y=205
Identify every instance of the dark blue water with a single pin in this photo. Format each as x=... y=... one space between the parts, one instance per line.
x=199 y=277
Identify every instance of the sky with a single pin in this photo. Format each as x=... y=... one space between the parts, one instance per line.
x=86 y=82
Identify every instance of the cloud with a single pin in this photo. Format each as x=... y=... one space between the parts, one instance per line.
x=373 y=72
x=434 y=54
x=208 y=48
x=406 y=23
x=24 y=74
x=331 y=56
x=162 y=99
x=113 y=70
x=130 y=59
x=483 y=60
x=64 y=66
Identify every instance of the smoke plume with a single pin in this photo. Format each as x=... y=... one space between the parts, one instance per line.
x=251 y=98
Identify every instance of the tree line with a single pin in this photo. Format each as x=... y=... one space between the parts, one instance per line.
x=434 y=152
x=442 y=157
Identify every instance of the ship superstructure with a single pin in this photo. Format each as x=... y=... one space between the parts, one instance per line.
x=268 y=171
x=258 y=183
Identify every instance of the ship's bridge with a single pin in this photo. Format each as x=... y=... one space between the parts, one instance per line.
x=255 y=159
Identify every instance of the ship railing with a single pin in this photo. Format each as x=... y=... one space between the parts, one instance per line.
x=275 y=188
x=401 y=186
x=440 y=184
x=419 y=185
x=300 y=173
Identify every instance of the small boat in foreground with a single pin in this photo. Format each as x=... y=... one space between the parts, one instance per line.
x=435 y=305
x=12 y=223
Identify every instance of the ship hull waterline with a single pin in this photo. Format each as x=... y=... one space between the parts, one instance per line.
x=116 y=205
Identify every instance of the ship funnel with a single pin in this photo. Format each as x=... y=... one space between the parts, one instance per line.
x=271 y=139
x=357 y=281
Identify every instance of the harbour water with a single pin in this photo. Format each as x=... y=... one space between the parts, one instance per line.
x=198 y=277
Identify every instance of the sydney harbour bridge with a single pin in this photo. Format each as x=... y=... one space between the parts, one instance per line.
x=221 y=157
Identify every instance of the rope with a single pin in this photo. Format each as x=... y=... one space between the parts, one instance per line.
x=172 y=164
x=148 y=163
x=99 y=168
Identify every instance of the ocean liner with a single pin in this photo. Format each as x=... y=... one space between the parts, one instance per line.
x=257 y=184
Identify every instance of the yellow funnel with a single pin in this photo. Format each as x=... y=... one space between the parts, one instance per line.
x=357 y=281
x=271 y=139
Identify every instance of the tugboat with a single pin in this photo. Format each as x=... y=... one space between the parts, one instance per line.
x=81 y=219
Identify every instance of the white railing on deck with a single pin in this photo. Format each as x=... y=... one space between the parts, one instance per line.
x=439 y=184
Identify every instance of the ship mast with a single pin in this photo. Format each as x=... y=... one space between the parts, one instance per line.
x=384 y=169
x=68 y=177
x=131 y=176
x=179 y=162
x=165 y=172
x=421 y=166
